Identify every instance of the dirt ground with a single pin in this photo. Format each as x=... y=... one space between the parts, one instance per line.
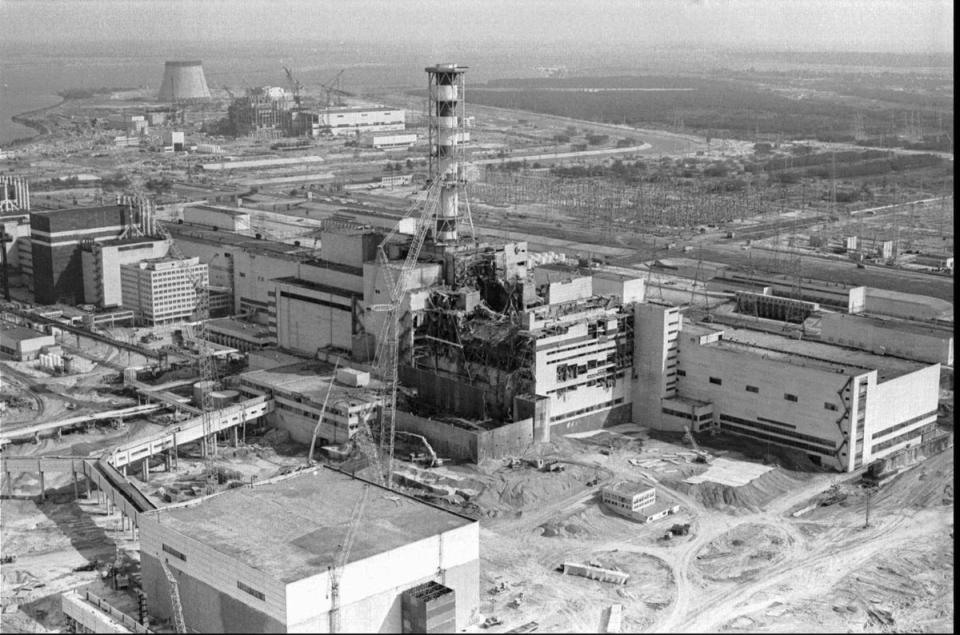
x=788 y=551
x=748 y=563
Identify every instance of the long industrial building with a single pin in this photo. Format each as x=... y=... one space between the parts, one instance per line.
x=844 y=408
x=264 y=559
x=56 y=237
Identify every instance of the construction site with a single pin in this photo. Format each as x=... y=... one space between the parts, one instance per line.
x=493 y=371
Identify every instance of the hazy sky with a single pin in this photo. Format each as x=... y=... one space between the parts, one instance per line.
x=850 y=25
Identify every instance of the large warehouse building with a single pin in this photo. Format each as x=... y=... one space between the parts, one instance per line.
x=56 y=237
x=258 y=559
x=844 y=408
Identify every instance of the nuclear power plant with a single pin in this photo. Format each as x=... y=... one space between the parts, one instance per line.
x=355 y=352
x=183 y=81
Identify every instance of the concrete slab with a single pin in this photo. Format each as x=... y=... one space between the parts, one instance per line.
x=730 y=472
x=291 y=529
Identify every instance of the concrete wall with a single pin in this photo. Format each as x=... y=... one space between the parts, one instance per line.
x=446 y=393
x=448 y=440
x=905 y=305
x=308 y=319
x=783 y=419
x=212 y=602
x=576 y=289
x=913 y=398
x=627 y=289
x=655 y=351
x=934 y=346
x=370 y=589
x=352 y=249
x=604 y=418
x=229 y=219
x=856 y=299
x=251 y=274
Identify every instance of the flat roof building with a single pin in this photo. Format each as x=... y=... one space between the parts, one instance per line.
x=921 y=341
x=842 y=407
x=258 y=559
x=55 y=239
x=299 y=391
x=23 y=343
x=163 y=290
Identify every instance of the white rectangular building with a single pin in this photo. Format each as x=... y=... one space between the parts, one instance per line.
x=901 y=338
x=162 y=290
x=843 y=408
x=258 y=559
x=102 y=261
x=352 y=120
x=299 y=390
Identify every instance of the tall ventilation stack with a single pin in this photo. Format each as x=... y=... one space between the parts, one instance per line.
x=183 y=81
x=445 y=125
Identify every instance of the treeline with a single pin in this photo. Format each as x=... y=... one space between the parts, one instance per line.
x=86 y=93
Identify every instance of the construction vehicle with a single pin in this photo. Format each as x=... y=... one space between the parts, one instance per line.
x=701 y=456
x=343 y=552
x=178 y=623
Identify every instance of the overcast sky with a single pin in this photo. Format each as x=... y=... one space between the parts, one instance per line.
x=849 y=25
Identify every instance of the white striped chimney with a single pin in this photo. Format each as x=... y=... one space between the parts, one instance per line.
x=445 y=126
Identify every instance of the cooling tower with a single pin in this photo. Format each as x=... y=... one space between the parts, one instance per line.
x=183 y=81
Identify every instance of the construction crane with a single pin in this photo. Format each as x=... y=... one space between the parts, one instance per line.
x=343 y=552
x=386 y=358
x=323 y=411
x=229 y=92
x=333 y=86
x=178 y=622
x=295 y=84
x=206 y=367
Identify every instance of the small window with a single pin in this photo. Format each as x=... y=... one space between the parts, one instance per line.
x=789 y=397
x=681 y=373
x=829 y=406
x=753 y=389
x=257 y=594
x=716 y=380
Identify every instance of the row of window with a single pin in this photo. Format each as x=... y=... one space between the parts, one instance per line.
x=902 y=425
x=889 y=443
x=576 y=413
x=777 y=440
x=707 y=416
x=756 y=390
x=787 y=433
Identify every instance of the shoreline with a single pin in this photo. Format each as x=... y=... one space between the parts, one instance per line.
x=23 y=119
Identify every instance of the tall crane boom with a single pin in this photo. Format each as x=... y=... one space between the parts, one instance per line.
x=178 y=621
x=294 y=84
x=341 y=559
x=388 y=343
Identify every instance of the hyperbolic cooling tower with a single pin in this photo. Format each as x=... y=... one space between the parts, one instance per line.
x=183 y=81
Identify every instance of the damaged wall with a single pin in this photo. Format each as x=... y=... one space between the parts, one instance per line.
x=452 y=441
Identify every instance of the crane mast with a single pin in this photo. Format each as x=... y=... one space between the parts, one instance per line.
x=341 y=559
x=388 y=343
x=178 y=621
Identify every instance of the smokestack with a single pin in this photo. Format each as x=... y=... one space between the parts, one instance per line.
x=183 y=81
x=446 y=126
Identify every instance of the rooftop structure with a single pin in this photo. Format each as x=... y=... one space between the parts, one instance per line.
x=299 y=391
x=258 y=559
